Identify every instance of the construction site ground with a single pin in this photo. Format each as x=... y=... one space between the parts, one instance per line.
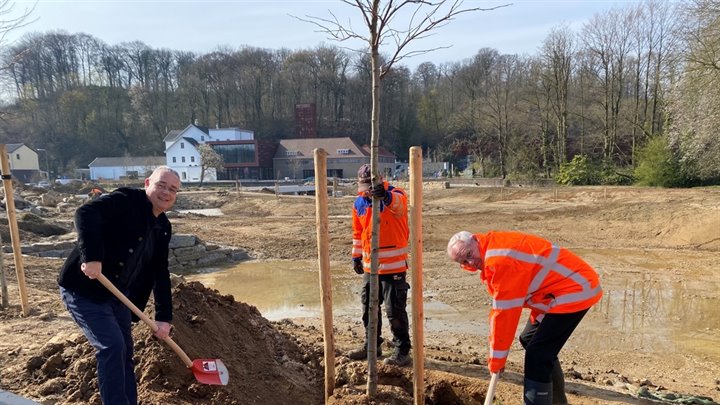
x=654 y=338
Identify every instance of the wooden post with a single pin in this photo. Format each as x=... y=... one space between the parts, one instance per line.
x=277 y=190
x=14 y=233
x=335 y=187
x=3 y=281
x=322 y=225
x=416 y=248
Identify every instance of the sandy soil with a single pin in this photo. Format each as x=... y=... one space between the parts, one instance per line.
x=656 y=250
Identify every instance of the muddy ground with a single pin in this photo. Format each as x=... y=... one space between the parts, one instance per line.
x=656 y=251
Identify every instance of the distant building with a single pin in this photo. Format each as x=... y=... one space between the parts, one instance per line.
x=23 y=162
x=294 y=158
x=244 y=157
x=117 y=168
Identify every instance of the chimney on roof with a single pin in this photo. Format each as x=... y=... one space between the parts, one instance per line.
x=305 y=121
x=196 y=122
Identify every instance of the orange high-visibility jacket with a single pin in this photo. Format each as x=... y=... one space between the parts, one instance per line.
x=526 y=271
x=394 y=232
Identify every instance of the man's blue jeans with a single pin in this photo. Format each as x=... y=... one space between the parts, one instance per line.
x=107 y=327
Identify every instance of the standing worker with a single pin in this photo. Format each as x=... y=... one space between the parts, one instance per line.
x=392 y=258
x=125 y=236
x=526 y=271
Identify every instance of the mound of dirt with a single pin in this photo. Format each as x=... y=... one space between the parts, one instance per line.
x=395 y=386
x=265 y=366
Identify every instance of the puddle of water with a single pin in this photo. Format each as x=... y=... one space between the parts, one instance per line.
x=285 y=289
x=209 y=212
x=642 y=308
x=647 y=307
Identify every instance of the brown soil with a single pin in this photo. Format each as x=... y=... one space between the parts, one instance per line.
x=44 y=356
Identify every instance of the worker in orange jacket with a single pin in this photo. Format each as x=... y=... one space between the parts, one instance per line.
x=392 y=258
x=526 y=271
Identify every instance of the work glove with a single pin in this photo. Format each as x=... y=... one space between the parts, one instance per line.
x=358 y=266
x=378 y=190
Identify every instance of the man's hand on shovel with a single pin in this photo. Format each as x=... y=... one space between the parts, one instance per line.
x=206 y=371
x=163 y=330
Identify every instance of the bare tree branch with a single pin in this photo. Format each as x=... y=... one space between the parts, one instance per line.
x=423 y=20
x=9 y=21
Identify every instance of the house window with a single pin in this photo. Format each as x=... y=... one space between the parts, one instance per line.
x=17 y=156
x=182 y=159
x=244 y=153
x=202 y=137
x=192 y=159
x=182 y=145
x=184 y=176
x=174 y=159
x=291 y=153
x=343 y=151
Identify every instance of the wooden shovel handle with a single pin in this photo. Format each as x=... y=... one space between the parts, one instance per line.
x=491 y=389
x=110 y=286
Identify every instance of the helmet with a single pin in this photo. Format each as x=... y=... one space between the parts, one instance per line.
x=463 y=248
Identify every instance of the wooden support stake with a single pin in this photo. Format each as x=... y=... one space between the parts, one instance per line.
x=14 y=233
x=416 y=266
x=322 y=224
x=3 y=281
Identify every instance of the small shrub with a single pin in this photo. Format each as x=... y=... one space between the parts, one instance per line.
x=657 y=166
x=578 y=172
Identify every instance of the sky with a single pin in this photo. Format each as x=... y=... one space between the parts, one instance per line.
x=204 y=26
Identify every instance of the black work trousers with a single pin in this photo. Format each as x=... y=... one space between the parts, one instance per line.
x=543 y=340
x=392 y=292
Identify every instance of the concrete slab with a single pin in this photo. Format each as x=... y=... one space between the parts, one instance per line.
x=7 y=398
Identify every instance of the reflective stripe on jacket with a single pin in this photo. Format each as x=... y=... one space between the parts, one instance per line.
x=526 y=271
x=394 y=232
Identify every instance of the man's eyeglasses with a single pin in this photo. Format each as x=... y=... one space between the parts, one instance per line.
x=162 y=186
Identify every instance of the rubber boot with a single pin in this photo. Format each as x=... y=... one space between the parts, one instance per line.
x=558 y=385
x=537 y=393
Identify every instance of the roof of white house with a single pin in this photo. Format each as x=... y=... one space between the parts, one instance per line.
x=128 y=161
x=12 y=147
x=176 y=133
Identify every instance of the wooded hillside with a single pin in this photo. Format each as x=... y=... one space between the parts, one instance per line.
x=591 y=99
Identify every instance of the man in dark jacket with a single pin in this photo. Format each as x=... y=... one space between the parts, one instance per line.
x=125 y=236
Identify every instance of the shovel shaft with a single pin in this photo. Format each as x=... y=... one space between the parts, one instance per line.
x=491 y=389
x=140 y=314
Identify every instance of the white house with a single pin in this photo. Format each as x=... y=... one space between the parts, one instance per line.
x=182 y=149
x=115 y=168
x=23 y=162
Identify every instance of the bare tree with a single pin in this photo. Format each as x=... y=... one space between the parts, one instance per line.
x=11 y=20
x=381 y=19
x=556 y=54
x=210 y=161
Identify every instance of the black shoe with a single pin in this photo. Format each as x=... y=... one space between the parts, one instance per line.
x=361 y=353
x=398 y=359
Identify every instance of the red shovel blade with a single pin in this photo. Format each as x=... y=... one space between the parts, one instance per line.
x=210 y=371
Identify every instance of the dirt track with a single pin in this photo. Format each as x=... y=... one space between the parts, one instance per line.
x=657 y=327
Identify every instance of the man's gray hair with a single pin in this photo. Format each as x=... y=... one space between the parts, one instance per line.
x=164 y=168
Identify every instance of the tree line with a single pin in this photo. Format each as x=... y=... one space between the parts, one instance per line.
x=631 y=96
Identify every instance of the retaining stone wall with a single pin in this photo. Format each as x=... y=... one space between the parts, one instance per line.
x=186 y=252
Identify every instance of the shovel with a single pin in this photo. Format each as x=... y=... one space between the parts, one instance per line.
x=491 y=389
x=206 y=371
